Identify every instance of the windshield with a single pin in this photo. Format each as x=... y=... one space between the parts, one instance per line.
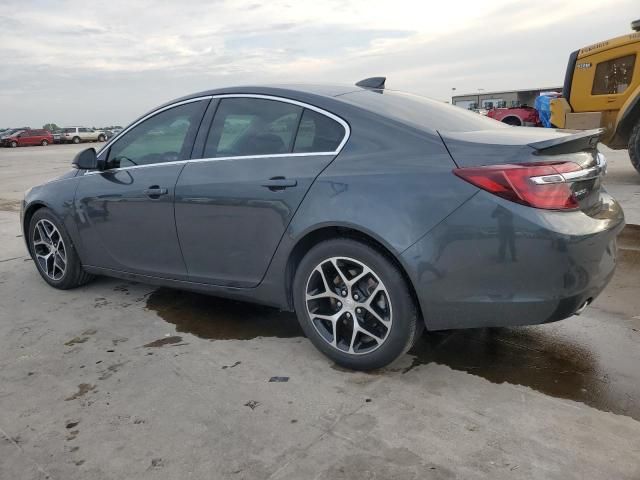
x=420 y=111
x=13 y=132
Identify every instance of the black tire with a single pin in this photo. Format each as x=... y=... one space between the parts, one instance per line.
x=512 y=121
x=634 y=146
x=406 y=326
x=102 y=138
x=44 y=143
x=74 y=275
x=13 y=144
x=76 y=140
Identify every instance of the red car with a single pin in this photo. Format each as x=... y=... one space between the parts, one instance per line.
x=519 y=116
x=21 y=138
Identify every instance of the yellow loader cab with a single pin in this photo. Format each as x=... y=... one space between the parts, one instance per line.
x=602 y=90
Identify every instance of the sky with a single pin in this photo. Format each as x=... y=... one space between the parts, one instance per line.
x=93 y=63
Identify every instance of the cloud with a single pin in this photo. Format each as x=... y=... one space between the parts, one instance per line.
x=92 y=63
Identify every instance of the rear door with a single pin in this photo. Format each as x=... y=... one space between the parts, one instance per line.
x=125 y=213
x=233 y=205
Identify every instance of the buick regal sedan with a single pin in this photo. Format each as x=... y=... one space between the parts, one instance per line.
x=371 y=213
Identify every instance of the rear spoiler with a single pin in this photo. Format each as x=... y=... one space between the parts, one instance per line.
x=571 y=143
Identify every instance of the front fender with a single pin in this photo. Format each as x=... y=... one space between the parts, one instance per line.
x=56 y=195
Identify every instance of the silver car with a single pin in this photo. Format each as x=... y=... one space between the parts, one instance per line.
x=81 y=134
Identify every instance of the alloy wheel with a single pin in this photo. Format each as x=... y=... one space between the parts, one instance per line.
x=49 y=249
x=348 y=305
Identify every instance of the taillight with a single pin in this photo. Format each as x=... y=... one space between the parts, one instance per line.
x=538 y=185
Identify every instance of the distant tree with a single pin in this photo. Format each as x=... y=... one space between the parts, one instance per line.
x=52 y=127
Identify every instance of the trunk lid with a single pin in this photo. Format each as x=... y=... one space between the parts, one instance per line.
x=526 y=145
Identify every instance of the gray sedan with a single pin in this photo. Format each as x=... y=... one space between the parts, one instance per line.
x=371 y=213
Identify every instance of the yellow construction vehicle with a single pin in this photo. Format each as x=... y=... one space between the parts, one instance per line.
x=602 y=90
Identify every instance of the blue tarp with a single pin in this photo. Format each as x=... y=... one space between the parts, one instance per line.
x=543 y=106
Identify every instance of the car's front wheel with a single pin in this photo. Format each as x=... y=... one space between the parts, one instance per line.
x=54 y=253
x=354 y=304
x=102 y=138
x=13 y=144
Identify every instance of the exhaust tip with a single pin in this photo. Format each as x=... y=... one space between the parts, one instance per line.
x=583 y=306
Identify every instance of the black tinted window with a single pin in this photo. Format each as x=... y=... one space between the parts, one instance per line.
x=613 y=76
x=420 y=111
x=318 y=133
x=252 y=126
x=165 y=137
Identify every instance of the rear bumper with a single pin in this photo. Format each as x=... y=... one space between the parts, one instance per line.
x=497 y=263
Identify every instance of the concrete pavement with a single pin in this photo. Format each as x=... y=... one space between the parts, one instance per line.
x=124 y=381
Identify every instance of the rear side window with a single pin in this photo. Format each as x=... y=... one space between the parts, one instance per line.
x=252 y=126
x=613 y=76
x=420 y=112
x=69 y=130
x=318 y=133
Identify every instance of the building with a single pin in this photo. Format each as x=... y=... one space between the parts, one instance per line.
x=505 y=98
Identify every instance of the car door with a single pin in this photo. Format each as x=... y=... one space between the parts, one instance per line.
x=233 y=205
x=125 y=212
x=27 y=138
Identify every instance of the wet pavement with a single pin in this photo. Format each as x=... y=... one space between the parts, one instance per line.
x=215 y=318
x=557 y=360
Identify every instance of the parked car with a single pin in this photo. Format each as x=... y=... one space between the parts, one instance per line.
x=22 y=138
x=370 y=213
x=57 y=136
x=82 y=134
x=10 y=131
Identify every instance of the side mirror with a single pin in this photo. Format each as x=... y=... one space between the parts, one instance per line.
x=86 y=159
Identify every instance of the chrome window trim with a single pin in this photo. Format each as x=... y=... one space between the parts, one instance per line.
x=345 y=125
x=211 y=159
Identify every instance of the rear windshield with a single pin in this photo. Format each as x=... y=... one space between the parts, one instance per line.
x=420 y=111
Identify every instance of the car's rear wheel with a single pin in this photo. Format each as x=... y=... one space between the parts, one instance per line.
x=354 y=304
x=44 y=143
x=634 y=146
x=76 y=140
x=54 y=253
x=13 y=144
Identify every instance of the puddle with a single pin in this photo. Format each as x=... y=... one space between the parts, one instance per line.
x=549 y=360
x=219 y=319
x=581 y=359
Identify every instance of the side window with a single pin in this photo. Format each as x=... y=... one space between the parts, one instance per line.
x=318 y=133
x=613 y=76
x=83 y=130
x=165 y=137
x=252 y=126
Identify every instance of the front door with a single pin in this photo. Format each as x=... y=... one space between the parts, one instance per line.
x=125 y=213
x=234 y=204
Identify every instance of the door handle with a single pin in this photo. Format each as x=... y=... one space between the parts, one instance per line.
x=279 y=183
x=155 y=191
